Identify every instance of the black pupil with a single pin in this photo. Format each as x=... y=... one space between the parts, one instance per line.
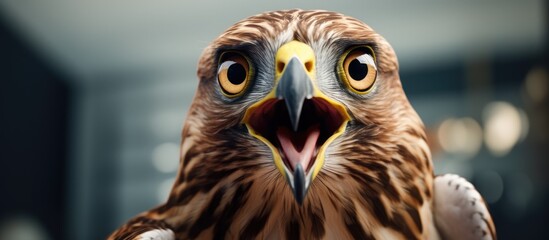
x=358 y=70
x=236 y=73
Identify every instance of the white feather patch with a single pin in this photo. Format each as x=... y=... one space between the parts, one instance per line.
x=459 y=211
x=157 y=234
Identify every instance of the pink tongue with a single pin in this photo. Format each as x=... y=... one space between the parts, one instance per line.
x=293 y=156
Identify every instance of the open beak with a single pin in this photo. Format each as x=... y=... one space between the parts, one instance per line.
x=295 y=119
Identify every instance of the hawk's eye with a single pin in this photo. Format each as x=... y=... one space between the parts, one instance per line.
x=233 y=73
x=357 y=69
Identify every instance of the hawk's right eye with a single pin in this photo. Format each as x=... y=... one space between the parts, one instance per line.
x=233 y=73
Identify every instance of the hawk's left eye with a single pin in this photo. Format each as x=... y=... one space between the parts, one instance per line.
x=357 y=69
x=233 y=73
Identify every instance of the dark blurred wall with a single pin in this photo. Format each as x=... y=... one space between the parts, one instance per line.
x=34 y=103
x=120 y=180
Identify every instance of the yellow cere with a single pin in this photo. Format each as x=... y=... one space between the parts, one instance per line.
x=295 y=49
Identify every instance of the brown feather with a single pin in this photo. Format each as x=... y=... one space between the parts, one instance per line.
x=377 y=178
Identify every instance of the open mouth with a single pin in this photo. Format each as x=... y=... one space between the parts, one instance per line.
x=319 y=121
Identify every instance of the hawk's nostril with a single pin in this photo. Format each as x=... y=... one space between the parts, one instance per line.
x=279 y=67
x=309 y=66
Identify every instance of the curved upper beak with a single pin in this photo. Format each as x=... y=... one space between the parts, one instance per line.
x=294 y=86
x=295 y=119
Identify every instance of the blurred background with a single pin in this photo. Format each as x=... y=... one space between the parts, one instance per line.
x=94 y=93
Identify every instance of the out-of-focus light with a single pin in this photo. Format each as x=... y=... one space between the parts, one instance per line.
x=460 y=136
x=165 y=157
x=520 y=189
x=524 y=124
x=23 y=228
x=536 y=84
x=502 y=127
x=490 y=185
x=164 y=189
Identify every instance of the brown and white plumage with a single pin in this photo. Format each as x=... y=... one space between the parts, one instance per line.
x=374 y=179
x=460 y=211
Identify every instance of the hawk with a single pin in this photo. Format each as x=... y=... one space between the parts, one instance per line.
x=300 y=129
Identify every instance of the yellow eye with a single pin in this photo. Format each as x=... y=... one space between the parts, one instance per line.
x=358 y=69
x=233 y=73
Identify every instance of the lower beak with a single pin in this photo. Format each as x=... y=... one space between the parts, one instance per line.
x=296 y=120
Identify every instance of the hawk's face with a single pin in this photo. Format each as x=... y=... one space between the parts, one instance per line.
x=300 y=95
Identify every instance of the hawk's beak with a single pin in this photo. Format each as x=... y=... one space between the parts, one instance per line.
x=294 y=87
x=295 y=119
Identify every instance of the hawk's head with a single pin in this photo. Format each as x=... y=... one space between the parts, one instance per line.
x=294 y=96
